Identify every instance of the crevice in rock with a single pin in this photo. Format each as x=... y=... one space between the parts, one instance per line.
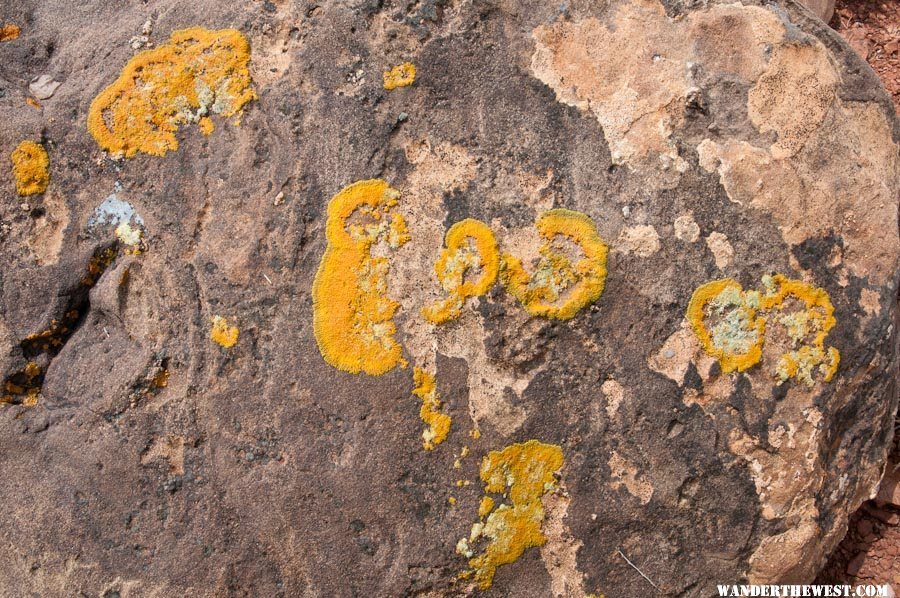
x=39 y=349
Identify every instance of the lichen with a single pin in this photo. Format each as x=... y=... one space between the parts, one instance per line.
x=523 y=473
x=559 y=287
x=742 y=318
x=736 y=339
x=9 y=32
x=131 y=237
x=806 y=329
x=198 y=73
x=352 y=313
x=24 y=387
x=400 y=76
x=438 y=423
x=31 y=168
x=223 y=334
x=470 y=246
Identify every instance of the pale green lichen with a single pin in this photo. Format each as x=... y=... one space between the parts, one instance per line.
x=741 y=318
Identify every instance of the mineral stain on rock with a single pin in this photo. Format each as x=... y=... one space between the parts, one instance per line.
x=197 y=74
x=31 y=168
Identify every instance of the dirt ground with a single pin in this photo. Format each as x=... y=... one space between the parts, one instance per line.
x=872 y=27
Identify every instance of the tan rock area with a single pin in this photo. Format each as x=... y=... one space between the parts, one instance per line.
x=441 y=298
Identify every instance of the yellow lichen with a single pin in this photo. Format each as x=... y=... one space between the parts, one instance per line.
x=523 y=473
x=806 y=328
x=31 y=168
x=9 y=32
x=198 y=73
x=438 y=423
x=222 y=333
x=23 y=387
x=742 y=318
x=485 y=506
x=352 y=314
x=470 y=246
x=131 y=237
x=400 y=76
x=736 y=339
x=560 y=287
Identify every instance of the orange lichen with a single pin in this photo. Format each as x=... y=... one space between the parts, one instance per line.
x=743 y=319
x=160 y=380
x=9 y=32
x=470 y=246
x=31 y=168
x=352 y=314
x=806 y=328
x=523 y=473
x=23 y=387
x=438 y=423
x=736 y=339
x=560 y=287
x=222 y=333
x=400 y=76
x=198 y=73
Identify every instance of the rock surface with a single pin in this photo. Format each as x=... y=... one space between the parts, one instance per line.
x=147 y=453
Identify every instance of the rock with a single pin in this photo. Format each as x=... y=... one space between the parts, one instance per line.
x=612 y=288
x=43 y=87
x=856 y=564
x=824 y=9
x=889 y=489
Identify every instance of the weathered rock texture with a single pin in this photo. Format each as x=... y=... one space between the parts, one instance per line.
x=705 y=141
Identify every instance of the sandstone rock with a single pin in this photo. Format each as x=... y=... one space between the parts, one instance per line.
x=824 y=9
x=655 y=245
x=889 y=489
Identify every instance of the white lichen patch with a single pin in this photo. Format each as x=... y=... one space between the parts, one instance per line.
x=113 y=211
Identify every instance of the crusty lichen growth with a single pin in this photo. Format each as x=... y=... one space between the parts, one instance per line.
x=523 y=473
x=559 y=287
x=470 y=247
x=198 y=73
x=438 y=423
x=740 y=319
x=31 y=168
x=223 y=334
x=352 y=313
x=400 y=76
x=806 y=328
x=736 y=339
x=23 y=387
x=9 y=32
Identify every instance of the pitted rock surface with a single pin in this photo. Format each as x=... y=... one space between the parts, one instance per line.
x=170 y=427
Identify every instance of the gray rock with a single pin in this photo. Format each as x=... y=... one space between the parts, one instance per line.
x=157 y=454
